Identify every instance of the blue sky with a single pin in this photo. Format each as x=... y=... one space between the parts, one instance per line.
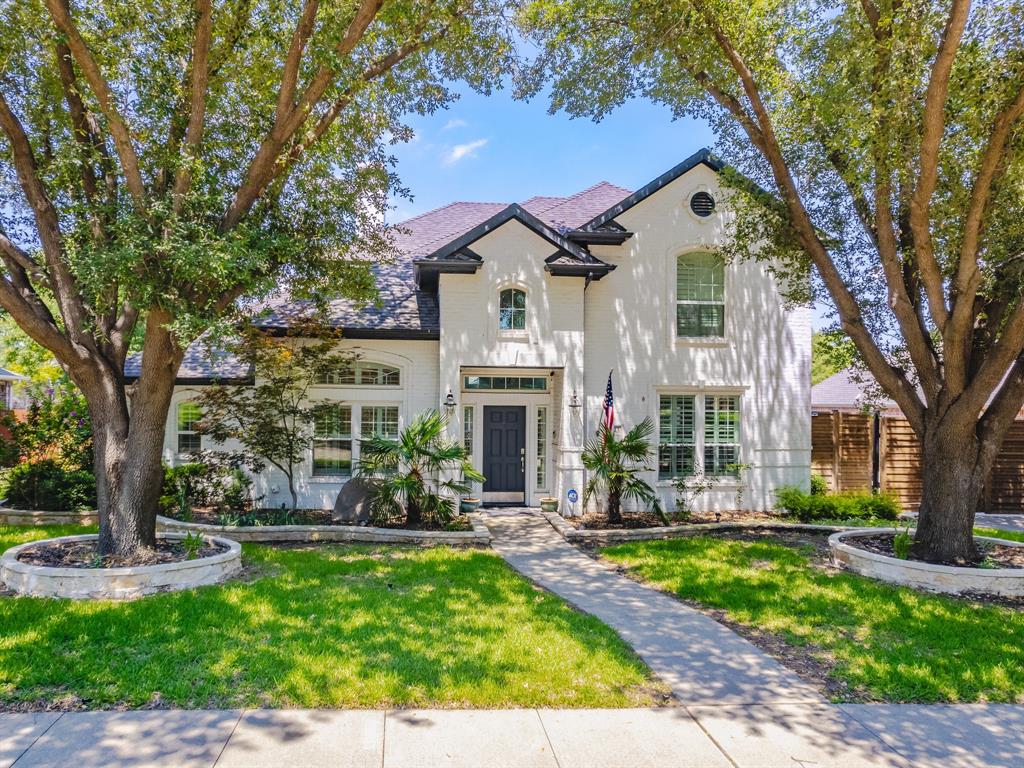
x=496 y=149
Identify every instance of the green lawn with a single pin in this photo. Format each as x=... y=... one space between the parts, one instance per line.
x=885 y=642
x=336 y=626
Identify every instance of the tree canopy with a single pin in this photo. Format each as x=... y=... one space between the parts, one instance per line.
x=880 y=142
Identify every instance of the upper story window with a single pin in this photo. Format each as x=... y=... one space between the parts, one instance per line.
x=700 y=295
x=361 y=374
x=512 y=310
x=189 y=439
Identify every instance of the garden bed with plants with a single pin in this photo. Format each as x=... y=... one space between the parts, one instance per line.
x=71 y=567
x=257 y=518
x=860 y=639
x=331 y=626
x=886 y=555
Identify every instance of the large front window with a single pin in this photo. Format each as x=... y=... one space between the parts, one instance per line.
x=512 y=310
x=700 y=295
x=704 y=426
x=332 y=441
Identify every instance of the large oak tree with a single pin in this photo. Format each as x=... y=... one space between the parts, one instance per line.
x=889 y=135
x=163 y=161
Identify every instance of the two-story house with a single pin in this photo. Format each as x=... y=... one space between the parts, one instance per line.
x=510 y=317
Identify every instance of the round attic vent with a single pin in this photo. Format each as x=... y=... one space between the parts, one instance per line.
x=702 y=204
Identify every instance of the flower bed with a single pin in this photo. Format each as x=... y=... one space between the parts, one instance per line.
x=602 y=537
x=859 y=558
x=40 y=580
x=478 y=536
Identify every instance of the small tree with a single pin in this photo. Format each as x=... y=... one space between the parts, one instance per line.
x=409 y=472
x=273 y=418
x=615 y=465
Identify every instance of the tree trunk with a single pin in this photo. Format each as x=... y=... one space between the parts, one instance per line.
x=128 y=443
x=614 y=506
x=953 y=472
x=413 y=513
x=293 y=492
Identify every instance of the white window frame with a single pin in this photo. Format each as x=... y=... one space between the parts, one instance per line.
x=542 y=475
x=700 y=443
x=357 y=367
x=363 y=407
x=697 y=339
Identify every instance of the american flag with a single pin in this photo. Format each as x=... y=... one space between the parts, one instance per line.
x=608 y=419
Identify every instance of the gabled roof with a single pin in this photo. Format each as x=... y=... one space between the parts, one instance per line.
x=703 y=156
x=456 y=256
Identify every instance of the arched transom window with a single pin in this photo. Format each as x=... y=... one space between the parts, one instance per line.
x=512 y=310
x=700 y=295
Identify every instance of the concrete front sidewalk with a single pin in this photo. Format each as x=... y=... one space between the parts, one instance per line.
x=788 y=735
x=701 y=660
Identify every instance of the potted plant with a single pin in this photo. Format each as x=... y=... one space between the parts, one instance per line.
x=549 y=504
x=469 y=504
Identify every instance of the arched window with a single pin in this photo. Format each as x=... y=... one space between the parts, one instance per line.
x=361 y=374
x=700 y=295
x=512 y=310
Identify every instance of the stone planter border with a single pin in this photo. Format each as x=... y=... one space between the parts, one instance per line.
x=117 y=583
x=598 y=537
x=950 y=579
x=480 y=536
x=11 y=516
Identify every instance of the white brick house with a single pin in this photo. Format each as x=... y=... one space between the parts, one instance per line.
x=521 y=311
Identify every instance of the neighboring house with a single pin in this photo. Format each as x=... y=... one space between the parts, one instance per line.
x=512 y=316
x=9 y=399
x=861 y=440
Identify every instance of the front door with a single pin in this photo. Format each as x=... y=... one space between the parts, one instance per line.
x=505 y=453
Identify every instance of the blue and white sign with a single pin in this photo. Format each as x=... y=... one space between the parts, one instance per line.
x=572 y=496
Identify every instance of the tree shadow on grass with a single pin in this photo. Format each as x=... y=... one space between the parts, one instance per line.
x=889 y=643
x=332 y=627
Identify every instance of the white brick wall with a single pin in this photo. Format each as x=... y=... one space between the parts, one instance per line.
x=624 y=322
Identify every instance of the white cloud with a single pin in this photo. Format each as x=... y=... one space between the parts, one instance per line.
x=462 y=151
x=454 y=123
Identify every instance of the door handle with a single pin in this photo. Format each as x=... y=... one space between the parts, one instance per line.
x=522 y=458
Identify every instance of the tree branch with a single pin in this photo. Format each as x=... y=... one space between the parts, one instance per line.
x=61 y=16
x=933 y=126
x=968 y=276
x=892 y=380
x=197 y=107
x=290 y=73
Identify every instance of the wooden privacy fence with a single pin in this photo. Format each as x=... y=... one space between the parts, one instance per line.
x=857 y=451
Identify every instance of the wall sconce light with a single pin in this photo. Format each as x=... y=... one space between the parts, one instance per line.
x=574 y=401
x=449 y=401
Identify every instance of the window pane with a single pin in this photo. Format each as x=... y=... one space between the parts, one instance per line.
x=467 y=429
x=677 y=418
x=700 y=277
x=332 y=444
x=379 y=421
x=721 y=434
x=542 y=445
x=704 y=320
x=188 y=415
x=512 y=310
x=189 y=442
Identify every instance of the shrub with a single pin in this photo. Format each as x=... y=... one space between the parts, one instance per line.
x=819 y=485
x=56 y=427
x=46 y=485
x=808 y=507
x=216 y=482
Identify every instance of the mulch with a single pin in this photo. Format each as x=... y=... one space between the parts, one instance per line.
x=598 y=521
x=83 y=554
x=209 y=516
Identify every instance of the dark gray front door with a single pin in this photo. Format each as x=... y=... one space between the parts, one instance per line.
x=505 y=452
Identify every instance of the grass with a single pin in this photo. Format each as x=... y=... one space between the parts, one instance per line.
x=335 y=626
x=1000 y=534
x=884 y=642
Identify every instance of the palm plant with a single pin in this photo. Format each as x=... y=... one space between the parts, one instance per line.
x=614 y=466
x=408 y=472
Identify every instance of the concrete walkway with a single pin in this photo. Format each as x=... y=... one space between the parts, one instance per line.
x=1002 y=522
x=701 y=660
x=782 y=736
